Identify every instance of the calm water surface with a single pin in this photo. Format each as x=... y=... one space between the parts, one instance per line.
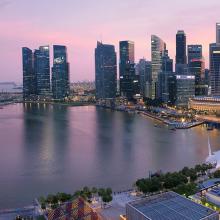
x=46 y=149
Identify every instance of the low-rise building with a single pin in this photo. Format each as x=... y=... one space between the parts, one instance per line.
x=211 y=104
x=168 y=205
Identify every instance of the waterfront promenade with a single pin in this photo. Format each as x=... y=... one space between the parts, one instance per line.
x=173 y=124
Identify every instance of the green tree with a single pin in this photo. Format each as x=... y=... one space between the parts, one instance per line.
x=106 y=198
x=217 y=174
x=185 y=171
x=186 y=189
x=43 y=206
x=101 y=191
x=198 y=168
x=49 y=198
x=94 y=190
x=109 y=191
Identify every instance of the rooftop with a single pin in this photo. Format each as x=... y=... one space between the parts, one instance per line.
x=171 y=205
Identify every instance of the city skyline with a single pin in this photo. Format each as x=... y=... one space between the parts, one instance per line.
x=84 y=23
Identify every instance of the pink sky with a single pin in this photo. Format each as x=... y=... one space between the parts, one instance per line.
x=78 y=24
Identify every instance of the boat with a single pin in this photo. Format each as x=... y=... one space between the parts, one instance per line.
x=157 y=125
x=172 y=127
x=209 y=128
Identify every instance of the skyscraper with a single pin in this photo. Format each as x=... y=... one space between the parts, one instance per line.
x=145 y=74
x=185 y=89
x=60 y=73
x=42 y=70
x=127 y=69
x=158 y=48
x=214 y=56
x=105 y=71
x=29 y=79
x=164 y=77
x=180 y=47
x=194 y=52
x=218 y=33
x=197 y=68
x=181 y=66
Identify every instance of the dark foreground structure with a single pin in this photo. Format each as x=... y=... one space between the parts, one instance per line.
x=166 y=206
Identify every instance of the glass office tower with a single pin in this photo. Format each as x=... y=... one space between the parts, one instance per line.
x=105 y=71
x=29 y=78
x=158 y=48
x=42 y=70
x=60 y=73
x=145 y=74
x=214 y=56
x=194 y=52
x=218 y=33
x=128 y=79
x=180 y=47
x=181 y=65
x=164 y=77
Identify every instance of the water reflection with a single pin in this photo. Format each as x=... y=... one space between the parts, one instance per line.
x=45 y=136
x=51 y=148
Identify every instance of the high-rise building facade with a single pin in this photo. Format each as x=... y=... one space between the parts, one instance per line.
x=218 y=33
x=214 y=62
x=172 y=88
x=164 y=77
x=185 y=89
x=29 y=78
x=128 y=79
x=60 y=73
x=144 y=71
x=197 y=68
x=42 y=70
x=194 y=52
x=181 y=62
x=105 y=71
x=180 y=47
x=158 y=48
x=126 y=68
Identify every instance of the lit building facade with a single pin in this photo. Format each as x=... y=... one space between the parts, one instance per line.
x=185 y=89
x=164 y=77
x=60 y=73
x=197 y=68
x=128 y=78
x=158 y=48
x=29 y=77
x=105 y=71
x=218 y=33
x=181 y=63
x=144 y=71
x=210 y=104
x=42 y=70
x=194 y=52
x=214 y=53
x=180 y=47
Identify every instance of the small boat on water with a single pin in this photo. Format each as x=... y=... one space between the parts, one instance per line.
x=172 y=127
x=209 y=128
x=157 y=125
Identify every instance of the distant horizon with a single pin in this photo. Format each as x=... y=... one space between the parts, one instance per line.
x=81 y=24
